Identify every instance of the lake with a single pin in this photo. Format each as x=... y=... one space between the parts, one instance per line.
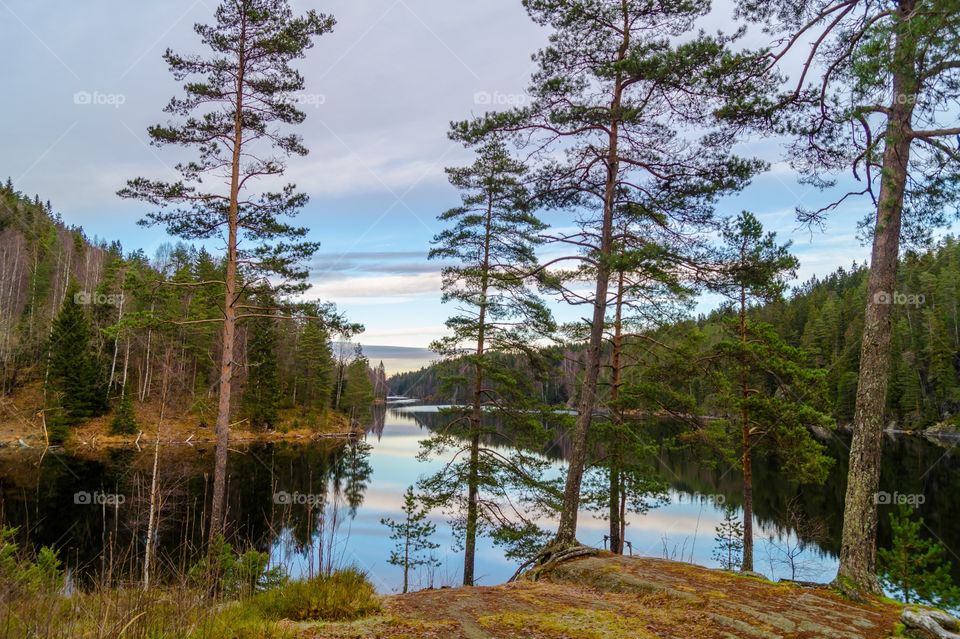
x=318 y=505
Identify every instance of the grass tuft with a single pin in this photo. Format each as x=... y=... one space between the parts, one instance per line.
x=342 y=596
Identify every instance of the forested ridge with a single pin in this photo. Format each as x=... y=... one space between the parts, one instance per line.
x=824 y=317
x=92 y=325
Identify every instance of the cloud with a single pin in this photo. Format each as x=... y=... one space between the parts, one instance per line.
x=378 y=288
x=375 y=262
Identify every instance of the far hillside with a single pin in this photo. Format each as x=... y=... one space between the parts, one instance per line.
x=823 y=316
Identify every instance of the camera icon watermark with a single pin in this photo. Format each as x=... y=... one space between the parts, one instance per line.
x=96 y=498
x=900 y=299
x=96 y=98
x=496 y=98
x=86 y=298
x=283 y=498
x=883 y=498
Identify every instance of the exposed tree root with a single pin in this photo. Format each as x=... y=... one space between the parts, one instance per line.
x=549 y=558
x=854 y=592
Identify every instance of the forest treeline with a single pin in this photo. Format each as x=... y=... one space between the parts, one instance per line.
x=823 y=316
x=95 y=327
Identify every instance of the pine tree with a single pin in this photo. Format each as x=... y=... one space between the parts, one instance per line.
x=647 y=292
x=490 y=247
x=869 y=97
x=916 y=567
x=728 y=550
x=75 y=374
x=236 y=102
x=766 y=387
x=412 y=536
x=612 y=97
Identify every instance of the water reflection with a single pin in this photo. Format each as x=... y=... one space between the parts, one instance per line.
x=315 y=506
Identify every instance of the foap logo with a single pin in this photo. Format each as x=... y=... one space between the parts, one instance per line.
x=699 y=498
x=315 y=100
x=85 y=298
x=884 y=498
x=97 y=98
x=283 y=498
x=496 y=98
x=96 y=498
x=901 y=299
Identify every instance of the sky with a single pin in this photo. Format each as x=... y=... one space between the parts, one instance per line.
x=83 y=81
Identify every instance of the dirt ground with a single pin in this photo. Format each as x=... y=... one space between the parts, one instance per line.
x=609 y=597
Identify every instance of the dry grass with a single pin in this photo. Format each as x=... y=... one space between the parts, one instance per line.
x=20 y=419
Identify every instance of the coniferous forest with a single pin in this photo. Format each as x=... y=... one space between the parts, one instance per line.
x=607 y=396
x=823 y=316
x=93 y=324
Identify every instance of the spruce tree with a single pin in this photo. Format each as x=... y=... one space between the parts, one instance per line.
x=75 y=374
x=358 y=392
x=916 y=567
x=315 y=369
x=125 y=420
x=237 y=100
x=261 y=395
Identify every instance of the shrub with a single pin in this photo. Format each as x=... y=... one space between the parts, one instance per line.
x=236 y=576
x=21 y=577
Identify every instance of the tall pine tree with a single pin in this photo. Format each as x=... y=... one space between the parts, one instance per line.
x=612 y=96
x=489 y=245
x=875 y=96
x=237 y=100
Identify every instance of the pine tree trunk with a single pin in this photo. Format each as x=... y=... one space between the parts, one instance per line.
x=406 y=559
x=476 y=413
x=616 y=543
x=616 y=416
x=116 y=347
x=218 y=509
x=747 y=460
x=858 y=550
x=567 y=530
x=145 y=378
x=473 y=497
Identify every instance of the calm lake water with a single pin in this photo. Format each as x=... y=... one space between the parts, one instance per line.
x=315 y=506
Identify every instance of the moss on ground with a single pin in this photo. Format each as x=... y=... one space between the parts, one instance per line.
x=608 y=597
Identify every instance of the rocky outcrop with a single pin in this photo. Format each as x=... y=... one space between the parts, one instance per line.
x=610 y=597
x=925 y=623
